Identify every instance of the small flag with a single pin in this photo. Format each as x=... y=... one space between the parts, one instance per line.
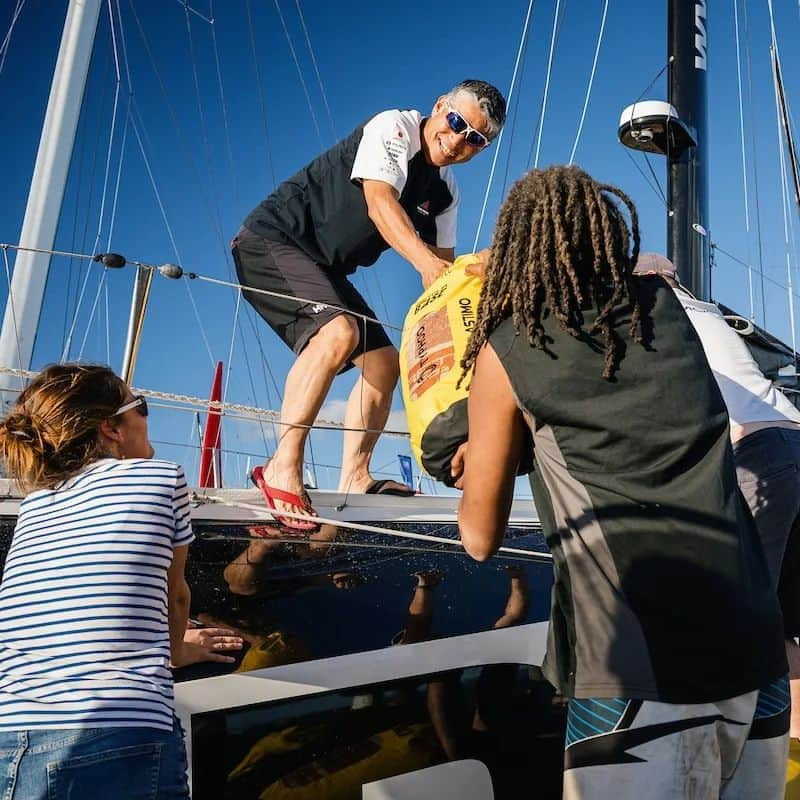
x=405 y=470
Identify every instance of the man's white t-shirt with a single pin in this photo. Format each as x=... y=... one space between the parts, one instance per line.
x=748 y=394
x=390 y=141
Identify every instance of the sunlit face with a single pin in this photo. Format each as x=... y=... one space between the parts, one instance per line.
x=131 y=427
x=443 y=146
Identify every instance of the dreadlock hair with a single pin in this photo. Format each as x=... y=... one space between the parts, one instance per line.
x=561 y=242
x=51 y=433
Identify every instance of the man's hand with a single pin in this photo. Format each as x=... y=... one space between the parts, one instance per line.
x=433 y=269
x=457 y=465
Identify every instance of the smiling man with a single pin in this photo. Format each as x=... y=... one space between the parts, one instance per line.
x=386 y=185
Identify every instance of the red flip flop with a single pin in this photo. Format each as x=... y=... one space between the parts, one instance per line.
x=271 y=494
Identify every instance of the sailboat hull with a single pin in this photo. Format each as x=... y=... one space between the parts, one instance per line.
x=369 y=653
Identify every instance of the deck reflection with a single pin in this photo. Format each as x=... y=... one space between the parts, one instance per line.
x=339 y=592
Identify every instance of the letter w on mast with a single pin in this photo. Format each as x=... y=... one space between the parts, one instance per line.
x=700 y=38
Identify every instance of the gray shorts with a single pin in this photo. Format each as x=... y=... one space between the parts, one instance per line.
x=732 y=749
x=283 y=268
x=768 y=471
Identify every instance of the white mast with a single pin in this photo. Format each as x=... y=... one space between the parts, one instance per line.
x=47 y=190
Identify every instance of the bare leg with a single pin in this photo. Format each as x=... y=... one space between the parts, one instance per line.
x=518 y=599
x=307 y=385
x=420 y=610
x=367 y=407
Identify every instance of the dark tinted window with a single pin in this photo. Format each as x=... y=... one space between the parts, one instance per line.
x=343 y=592
x=326 y=746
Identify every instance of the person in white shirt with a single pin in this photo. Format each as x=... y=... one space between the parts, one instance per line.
x=765 y=433
x=388 y=184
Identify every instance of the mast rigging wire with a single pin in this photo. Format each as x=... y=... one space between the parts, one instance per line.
x=168 y=227
x=234 y=410
x=515 y=119
x=207 y=279
x=743 y=263
x=69 y=301
x=655 y=184
x=299 y=73
x=784 y=122
x=756 y=196
x=11 y=303
x=553 y=39
x=104 y=194
x=122 y=149
x=232 y=172
x=92 y=312
x=224 y=106
x=139 y=134
x=316 y=69
x=751 y=296
x=499 y=140
x=214 y=205
x=260 y=85
x=95 y=157
x=236 y=323
x=108 y=329
x=7 y=38
x=357 y=526
x=786 y=224
x=656 y=187
x=194 y=11
x=591 y=81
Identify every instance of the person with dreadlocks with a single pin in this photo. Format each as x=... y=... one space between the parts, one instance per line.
x=663 y=624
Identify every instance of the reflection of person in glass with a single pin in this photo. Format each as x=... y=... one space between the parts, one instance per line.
x=420 y=611
x=445 y=701
x=245 y=575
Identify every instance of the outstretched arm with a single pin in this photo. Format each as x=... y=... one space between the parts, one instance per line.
x=490 y=463
x=398 y=231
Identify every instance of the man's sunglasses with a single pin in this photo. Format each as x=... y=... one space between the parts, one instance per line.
x=138 y=402
x=474 y=138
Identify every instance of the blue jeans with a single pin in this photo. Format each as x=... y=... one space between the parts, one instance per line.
x=93 y=764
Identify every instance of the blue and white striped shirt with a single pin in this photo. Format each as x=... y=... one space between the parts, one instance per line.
x=84 y=635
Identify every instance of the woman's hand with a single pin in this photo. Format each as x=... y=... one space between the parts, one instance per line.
x=208 y=644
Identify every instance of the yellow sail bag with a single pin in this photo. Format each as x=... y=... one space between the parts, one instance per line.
x=435 y=335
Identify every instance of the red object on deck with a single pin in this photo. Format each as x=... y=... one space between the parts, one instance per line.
x=210 y=462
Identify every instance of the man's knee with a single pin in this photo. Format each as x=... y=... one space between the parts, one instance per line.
x=381 y=366
x=337 y=338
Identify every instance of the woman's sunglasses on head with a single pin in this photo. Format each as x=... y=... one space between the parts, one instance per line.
x=138 y=403
x=457 y=123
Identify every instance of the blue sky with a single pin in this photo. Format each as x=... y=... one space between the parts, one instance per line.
x=371 y=56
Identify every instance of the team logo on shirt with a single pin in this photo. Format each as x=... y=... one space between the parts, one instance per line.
x=424 y=208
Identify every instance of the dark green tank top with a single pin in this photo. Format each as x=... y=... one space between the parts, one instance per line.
x=661 y=589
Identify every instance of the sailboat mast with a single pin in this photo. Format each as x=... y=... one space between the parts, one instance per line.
x=47 y=189
x=688 y=241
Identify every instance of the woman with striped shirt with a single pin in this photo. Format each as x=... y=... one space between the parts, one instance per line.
x=93 y=601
